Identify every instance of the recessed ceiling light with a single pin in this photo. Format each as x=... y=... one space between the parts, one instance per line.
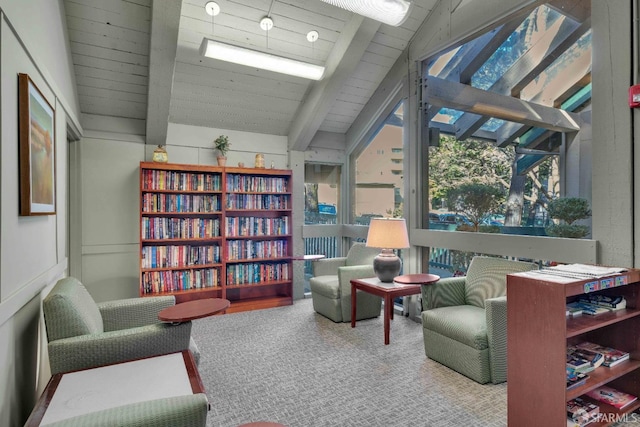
x=266 y=23
x=212 y=8
x=312 y=36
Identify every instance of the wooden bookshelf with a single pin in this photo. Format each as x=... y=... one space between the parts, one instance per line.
x=538 y=333
x=216 y=232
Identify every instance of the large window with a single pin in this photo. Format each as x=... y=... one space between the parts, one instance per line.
x=322 y=197
x=379 y=173
x=493 y=170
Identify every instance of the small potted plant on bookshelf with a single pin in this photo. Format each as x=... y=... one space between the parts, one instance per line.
x=222 y=144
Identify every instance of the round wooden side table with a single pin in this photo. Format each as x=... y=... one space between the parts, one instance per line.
x=195 y=309
x=417 y=279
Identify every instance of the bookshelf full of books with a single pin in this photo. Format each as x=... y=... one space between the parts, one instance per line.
x=573 y=345
x=216 y=232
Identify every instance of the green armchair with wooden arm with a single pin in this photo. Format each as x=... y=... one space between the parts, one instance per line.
x=82 y=334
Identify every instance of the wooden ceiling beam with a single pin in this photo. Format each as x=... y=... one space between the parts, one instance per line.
x=341 y=63
x=450 y=94
x=165 y=19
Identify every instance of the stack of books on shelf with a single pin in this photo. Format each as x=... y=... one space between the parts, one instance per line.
x=580 y=412
x=575 y=379
x=582 y=361
x=596 y=304
x=611 y=356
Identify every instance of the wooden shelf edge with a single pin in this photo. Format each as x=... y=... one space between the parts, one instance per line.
x=216 y=289
x=602 y=375
x=585 y=323
x=258 y=303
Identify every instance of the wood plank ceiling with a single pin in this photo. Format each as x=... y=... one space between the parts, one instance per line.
x=139 y=59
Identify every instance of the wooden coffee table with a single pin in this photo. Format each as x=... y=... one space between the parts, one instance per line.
x=408 y=285
x=195 y=309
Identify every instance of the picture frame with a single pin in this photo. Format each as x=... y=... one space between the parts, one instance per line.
x=37 y=153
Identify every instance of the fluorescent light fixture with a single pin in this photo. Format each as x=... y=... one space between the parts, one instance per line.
x=391 y=12
x=265 y=61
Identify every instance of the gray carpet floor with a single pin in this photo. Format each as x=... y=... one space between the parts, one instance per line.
x=292 y=366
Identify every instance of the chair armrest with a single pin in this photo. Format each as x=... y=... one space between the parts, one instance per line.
x=496 y=312
x=348 y=273
x=89 y=351
x=133 y=312
x=328 y=266
x=187 y=411
x=443 y=293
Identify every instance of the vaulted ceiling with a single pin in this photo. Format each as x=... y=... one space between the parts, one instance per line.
x=139 y=59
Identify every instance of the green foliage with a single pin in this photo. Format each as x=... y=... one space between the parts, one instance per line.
x=569 y=209
x=460 y=162
x=475 y=200
x=222 y=144
x=489 y=229
x=567 y=230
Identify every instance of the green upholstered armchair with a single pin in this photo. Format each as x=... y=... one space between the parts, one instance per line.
x=82 y=334
x=331 y=285
x=464 y=319
x=184 y=411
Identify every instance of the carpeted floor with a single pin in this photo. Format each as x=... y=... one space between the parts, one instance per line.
x=292 y=366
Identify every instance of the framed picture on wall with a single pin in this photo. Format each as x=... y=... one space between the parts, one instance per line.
x=36 y=136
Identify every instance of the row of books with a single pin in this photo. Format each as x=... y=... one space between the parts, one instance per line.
x=179 y=256
x=587 y=356
x=162 y=202
x=256 y=184
x=582 y=411
x=172 y=281
x=180 y=181
x=251 y=249
x=258 y=201
x=246 y=274
x=256 y=226
x=179 y=228
x=595 y=304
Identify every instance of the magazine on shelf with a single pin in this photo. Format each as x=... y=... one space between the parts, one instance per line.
x=567 y=273
x=594 y=358
x=588 y=309
x=612 y=356
x=616 y=302
x=575 y=379
x=613 y=397
x=581 y=411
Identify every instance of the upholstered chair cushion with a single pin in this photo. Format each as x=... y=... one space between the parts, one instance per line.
x=360 y=254
x=487 y=278
x=70 y=311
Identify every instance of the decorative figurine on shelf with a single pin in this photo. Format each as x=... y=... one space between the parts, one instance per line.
x=222 y=144
x=260 y=160
x=160 y=155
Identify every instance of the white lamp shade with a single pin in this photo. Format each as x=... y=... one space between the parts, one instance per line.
x=391 y=12
x=388 y=233
x=253 y=58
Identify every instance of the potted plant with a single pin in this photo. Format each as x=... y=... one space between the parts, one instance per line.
x=222 y=144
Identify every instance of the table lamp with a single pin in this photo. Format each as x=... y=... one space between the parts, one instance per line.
x=387 y=234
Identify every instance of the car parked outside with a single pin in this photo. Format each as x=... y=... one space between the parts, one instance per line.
x=493 y=219
x=458 y=219
x=434 y=217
